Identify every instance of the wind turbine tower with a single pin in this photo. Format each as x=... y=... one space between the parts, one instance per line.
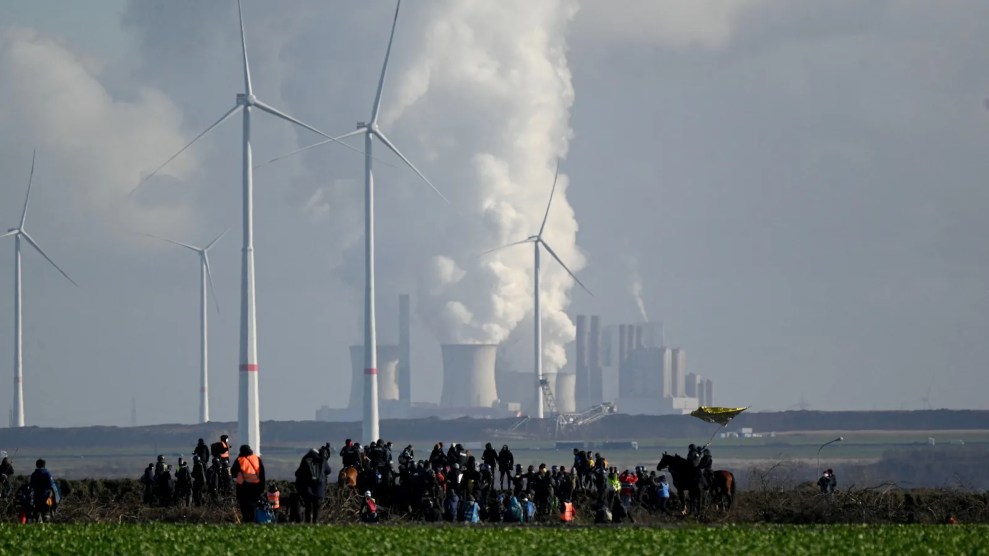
x=537 y=241
x=205 y=278
x=248 y=410
x=19 y=233
x=370 y=130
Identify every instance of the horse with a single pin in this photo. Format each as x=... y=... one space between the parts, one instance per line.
x=347 y=478
x=722 y=489
x=686 y=480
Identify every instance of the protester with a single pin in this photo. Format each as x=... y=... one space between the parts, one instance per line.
x=248 y=472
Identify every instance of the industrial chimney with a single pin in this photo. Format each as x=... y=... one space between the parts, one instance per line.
x=581 y=377
x=594 y=367
x=469 y=375
x=387 y=369
x=404 y=351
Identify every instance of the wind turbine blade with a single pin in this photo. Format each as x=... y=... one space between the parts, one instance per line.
x=209 y=275
x=527 y=240
x=338 y=138
x=572 y=275
x=183 y=149
x=30 y=180
x=287 y=118
x=243 y=46
x=10 y=233
x=179 y=243
x=395 y=150
x=45 y=255
x=384 y=68
x=210 y=244
x=550 y=203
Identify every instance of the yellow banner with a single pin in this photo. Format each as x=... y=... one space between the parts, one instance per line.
x=719 y=415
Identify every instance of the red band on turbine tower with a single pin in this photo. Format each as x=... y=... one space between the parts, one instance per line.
x=370 y=371
x=249 y=367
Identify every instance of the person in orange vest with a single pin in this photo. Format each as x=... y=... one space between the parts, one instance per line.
x=248 y=472
x=569 y=513
x=274 y=500
x=221 y=449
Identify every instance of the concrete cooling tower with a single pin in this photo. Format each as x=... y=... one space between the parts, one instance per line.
x=469 y=375
x=566 y=384
x=387 y=374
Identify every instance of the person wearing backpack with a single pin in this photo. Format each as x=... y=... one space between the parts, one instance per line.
x=310 y=483
x=198 y=480
x=183 y=484
x=248 y=472
x=45 y=492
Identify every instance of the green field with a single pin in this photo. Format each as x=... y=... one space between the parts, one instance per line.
x=501 y=541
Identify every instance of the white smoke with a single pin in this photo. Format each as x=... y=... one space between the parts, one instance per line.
x=501 y=68
x=636 y=289
x=92 y=146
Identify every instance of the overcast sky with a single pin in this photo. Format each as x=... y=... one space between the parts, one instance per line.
x=798 y=187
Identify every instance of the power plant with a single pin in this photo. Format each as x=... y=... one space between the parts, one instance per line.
x=469 y=375
x=626 y=367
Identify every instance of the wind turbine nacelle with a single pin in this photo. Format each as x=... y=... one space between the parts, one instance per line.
x=245 y=99
x=361 y=125
x=12 y=229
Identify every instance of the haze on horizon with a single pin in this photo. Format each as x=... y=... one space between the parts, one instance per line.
x=798 y=189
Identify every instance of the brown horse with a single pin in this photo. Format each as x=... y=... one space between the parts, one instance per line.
x=722 y=489
x=347 y=478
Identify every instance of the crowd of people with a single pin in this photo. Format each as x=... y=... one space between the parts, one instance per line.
x=449 y=484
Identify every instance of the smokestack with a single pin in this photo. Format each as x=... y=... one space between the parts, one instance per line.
x=581 y=378
x=564 y=392
x=679 y=373
x=629 y=340
x=469 y=375
x=404 y=351
x=622 y=345
x=594 y=370
x=387 y=369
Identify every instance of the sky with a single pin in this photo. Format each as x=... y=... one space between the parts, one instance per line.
x=794 y=189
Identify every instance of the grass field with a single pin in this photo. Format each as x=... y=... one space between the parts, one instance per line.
x=501 y=541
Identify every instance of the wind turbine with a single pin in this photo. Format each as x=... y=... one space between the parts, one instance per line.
x=537 y=241
x=370 y=130
x=17 y=417
x=204 y=276
x=248 y=412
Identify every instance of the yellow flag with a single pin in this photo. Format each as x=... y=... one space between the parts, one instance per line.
x=719 y=415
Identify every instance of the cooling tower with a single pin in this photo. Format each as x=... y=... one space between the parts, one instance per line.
x=388 y=359
x=469 y=375
x=565 y=397
x=404 y=351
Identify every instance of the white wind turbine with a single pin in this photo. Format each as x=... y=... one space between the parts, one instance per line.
x=536 y=241
x=370 y=130
x=205 y=276
x=248 y=412
x=20 y=233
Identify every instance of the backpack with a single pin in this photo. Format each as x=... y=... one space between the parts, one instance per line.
x=263 y=513
x=25 y=496
x=311 y=471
